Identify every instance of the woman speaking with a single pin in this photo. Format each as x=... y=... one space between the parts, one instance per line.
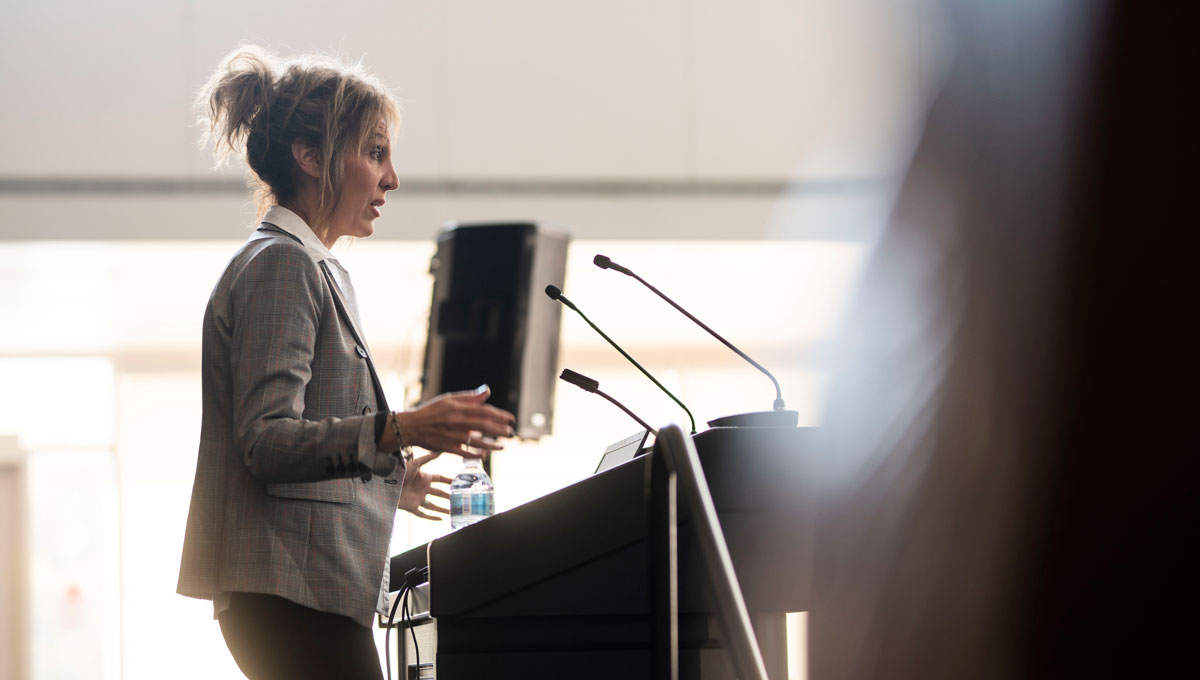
x=301 y=463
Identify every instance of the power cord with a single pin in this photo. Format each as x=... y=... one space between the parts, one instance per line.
x=412 y=579
x=408 y=617
x=388 y=632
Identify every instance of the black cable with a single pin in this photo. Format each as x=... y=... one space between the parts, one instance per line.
x=388 y=633
x=413 y=632
x=413 y=578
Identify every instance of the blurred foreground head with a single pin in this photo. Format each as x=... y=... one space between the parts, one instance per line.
x=998 y=494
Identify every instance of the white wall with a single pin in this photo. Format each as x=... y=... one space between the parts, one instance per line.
x=559 y=97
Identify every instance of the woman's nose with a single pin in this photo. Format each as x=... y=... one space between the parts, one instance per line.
x=391 y=180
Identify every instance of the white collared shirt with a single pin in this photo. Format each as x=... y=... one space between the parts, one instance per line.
x=295 y=225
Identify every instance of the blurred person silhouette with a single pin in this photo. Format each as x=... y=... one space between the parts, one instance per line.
x=302 y=464
x=997 y=493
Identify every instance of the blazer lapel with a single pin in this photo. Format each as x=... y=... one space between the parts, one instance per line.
x=343 y=311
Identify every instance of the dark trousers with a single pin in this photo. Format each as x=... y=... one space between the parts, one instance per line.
x=275 y=639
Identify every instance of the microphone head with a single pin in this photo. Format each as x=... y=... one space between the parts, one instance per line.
x=580 y=380
x=603 y=262
x=553 y=292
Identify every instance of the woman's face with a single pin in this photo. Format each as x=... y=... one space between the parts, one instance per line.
x=368 y=175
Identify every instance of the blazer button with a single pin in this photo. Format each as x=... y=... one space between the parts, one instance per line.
x=361 y=352
x=366 y=410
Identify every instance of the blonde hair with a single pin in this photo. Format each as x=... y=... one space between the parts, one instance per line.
x=257 y=105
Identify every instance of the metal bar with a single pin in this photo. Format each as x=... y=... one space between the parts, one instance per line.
x=683 y=464
x=664 y=569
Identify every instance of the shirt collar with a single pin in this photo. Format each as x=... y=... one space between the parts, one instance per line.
x=295 y=225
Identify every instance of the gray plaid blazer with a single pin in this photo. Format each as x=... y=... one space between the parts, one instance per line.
x=290 y=496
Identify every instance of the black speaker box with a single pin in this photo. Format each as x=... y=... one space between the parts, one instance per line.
x=490 y=320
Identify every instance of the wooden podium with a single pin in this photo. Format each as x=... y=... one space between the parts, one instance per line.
x=561 y=586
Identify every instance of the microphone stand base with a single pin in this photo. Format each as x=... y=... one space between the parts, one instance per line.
x=758 y=419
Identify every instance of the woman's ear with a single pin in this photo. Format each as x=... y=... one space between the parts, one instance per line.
x=307 y=158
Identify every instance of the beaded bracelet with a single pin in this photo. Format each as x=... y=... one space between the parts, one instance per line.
x=405 y=449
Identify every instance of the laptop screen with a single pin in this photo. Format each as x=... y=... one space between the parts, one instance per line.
x=624 y=450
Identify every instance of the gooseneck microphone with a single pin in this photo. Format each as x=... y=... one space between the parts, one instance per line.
x=603 y=262
x=589 y=385
x=555 y=293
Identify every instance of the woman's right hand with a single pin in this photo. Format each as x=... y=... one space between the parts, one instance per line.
x=458 y=422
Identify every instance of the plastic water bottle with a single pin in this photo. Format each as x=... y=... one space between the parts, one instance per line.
x=471 y=495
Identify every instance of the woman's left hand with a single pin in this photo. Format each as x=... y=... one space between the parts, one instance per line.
x=418 y=487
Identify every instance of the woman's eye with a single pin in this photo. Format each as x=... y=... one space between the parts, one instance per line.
x=377 y=153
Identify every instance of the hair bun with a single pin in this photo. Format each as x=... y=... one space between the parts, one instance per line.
x=234 y=96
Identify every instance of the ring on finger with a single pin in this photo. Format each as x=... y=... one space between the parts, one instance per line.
x=470 y=437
